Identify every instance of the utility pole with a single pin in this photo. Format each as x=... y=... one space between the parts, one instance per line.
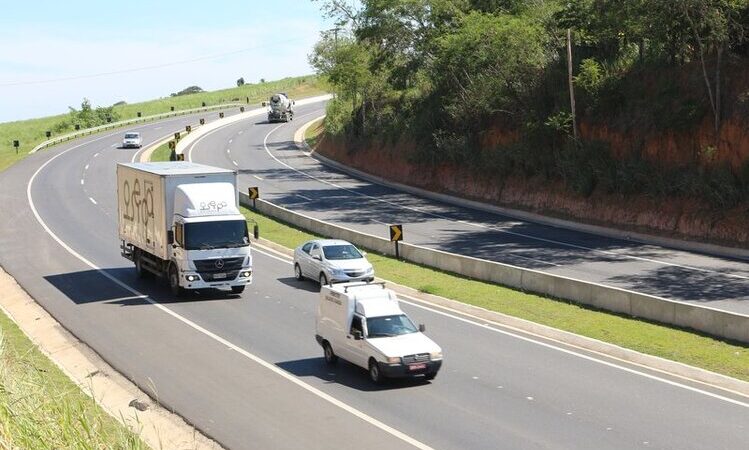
x=569 y=79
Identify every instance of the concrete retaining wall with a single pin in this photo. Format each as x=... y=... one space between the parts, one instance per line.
x=707 y=320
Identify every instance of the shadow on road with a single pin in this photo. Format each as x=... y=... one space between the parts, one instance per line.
x=92 y=286
x=307 y=285
x=346 y=374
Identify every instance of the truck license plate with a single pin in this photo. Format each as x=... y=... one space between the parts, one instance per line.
x=219 y=276
x=417 y=366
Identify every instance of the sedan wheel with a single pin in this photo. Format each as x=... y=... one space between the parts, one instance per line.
x=298 y=272
x=323 y=279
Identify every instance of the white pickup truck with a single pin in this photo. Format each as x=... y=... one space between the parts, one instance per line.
x=182 y=221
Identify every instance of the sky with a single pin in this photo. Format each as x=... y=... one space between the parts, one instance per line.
x=42 y=41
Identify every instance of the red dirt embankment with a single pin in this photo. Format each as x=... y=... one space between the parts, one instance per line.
x=683 y=218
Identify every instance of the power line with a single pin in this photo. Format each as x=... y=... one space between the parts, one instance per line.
x=144 y=68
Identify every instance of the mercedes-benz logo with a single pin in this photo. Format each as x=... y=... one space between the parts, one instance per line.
x=219 y=263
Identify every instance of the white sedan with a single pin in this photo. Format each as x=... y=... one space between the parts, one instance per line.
x=331 y=261
x=132 y=140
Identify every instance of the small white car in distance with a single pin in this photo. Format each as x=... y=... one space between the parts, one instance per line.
x=331 y=261
x=131 y=140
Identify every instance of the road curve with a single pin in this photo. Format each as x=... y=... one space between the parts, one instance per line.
x=267 y=157
x=247 y=371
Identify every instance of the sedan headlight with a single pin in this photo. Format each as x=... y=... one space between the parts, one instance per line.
x=394 y=360
x=336 y=271
x=435 y=356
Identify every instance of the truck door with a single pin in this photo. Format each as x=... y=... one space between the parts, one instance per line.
x=355 y=348
x=178 y=247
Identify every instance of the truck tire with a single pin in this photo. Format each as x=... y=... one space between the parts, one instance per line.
x=374 y=372
x=177 y=290
x=330 y=357
x=237 y=289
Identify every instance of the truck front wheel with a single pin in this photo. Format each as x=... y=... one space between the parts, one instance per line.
x=174 y=286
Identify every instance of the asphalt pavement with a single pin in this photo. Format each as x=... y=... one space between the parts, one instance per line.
x=247 y=371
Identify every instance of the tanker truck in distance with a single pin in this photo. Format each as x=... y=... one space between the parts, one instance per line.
x=280 y=108
x=180 y=221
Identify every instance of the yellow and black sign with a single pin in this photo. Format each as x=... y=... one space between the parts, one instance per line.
x=177 y=136
x=220 y=115
x=241 y=109
x=188 y=128
x=396 y=233
x=180 y=157
x=254 y=193
x=172 y=145
x=202 y=121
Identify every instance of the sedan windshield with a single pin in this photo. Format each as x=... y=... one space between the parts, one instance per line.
x=345 y=251
x=221 y=234
x=387 y=326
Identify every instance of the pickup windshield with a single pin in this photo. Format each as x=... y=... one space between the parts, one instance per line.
x=335 y=252
x=387 y=326
x=220 y=234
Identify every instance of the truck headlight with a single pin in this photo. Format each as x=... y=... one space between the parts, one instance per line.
x=192 y=277
x=435 y=355
x=245 y=274
x=394 y=360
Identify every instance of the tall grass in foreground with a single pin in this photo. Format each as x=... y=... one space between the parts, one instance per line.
x=40 y=408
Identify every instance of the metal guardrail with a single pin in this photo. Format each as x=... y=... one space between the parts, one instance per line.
x=113 y=125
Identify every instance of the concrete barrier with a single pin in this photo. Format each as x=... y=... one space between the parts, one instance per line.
x=703 y=319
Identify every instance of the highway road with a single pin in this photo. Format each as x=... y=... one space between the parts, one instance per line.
x=247 y=371
x=267 y=157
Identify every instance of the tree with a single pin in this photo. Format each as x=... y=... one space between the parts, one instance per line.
x=240 y=82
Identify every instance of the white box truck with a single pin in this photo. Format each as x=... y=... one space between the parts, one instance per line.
x=363 y=324
x=181 y=221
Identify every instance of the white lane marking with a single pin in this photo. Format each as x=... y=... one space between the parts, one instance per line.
x=490 y=227
x=86 y=168
x=81 y=181
x=235 y=163
x=92 y=200
x=96 y=154
x=258 y=177
x=240 y=132
x=114 y=145
x=288 y=376
x=231 y=140
x=470 y=319
x=228 y=151
x=304 y=197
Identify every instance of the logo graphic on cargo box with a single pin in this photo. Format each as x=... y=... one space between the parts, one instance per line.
x=138 y=203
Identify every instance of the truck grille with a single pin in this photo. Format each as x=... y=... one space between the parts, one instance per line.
x=417 y=358
x=218 y=265
x=208 y=276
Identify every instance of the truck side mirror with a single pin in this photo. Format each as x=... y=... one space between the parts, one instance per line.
x=422 y=328
x=170 y=237
x=357 y=335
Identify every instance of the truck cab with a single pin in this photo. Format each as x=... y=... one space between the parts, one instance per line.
x=363 y=324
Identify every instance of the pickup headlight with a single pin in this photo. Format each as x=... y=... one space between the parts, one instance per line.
x=435 y=356
x=394 y=360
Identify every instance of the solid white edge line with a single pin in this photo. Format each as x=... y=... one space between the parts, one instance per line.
x=361 y=415
x=476 y=321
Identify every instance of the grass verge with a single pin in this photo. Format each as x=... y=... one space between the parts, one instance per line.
x=40 y=407
x=313 y=134
x=649 y=338
x=161 y=153
x=31 y=132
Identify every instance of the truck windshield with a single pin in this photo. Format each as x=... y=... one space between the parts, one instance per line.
x=387 y=326
x=220 y=234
